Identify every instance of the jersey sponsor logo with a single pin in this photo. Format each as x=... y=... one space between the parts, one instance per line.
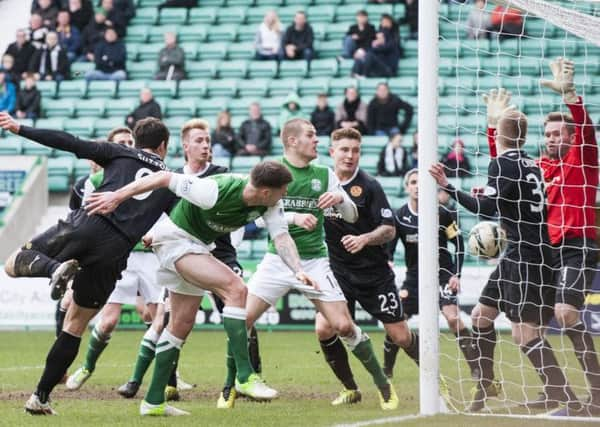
x=386 y=213
x=299 y=203
x=332 y=213
x=529 y=163
x=315 y=184
x=150 y=160
x=142 y=172
x=356 y=190
x=220 y=228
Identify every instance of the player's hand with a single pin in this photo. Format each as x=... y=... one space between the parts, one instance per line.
x=498 y=103
x=329 y=199
x=438 y=173
x=563 y=71
x=477 y=192
x=147 y=241
x=354 y=244
x=306 y=221
x=454 y=284
x=8 y=123
x=102 y=203
x=307 y=280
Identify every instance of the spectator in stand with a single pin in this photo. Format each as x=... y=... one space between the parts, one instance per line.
x=8 y=66
x=50 y=62
x=411 y=18
x=506 y=22
x=171 y=60
x=126 y=8
x=290 y=109
x=81 y=13
x=267 y=40
x=455 y=161
x=69 y=36
x=8 y=94
x=359 y=37
x=115 y=17
x=47 y=11
x=223 y=138
x=35 y=4
x=382 y=59
x=148 y=108
x=37 y=31
x=178 y=3
x=29 y=99
x=352 y=112
x=393 y=160
x=22 y=51
x=323 y=117
x=110 y=56
x=297 y=42
x=255 y=134
x=93 y=34
x=382 y=114
x=478 y=22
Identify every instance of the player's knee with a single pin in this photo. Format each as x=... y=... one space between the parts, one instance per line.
x=9 y=264
x=453 y=322
x=108 y=324
x=323 y=329
x=566 y=315
x=235 y=293
x=344 y=327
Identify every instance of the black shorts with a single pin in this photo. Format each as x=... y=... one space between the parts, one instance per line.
x=574 y=268
x=100 y=249
x=377 y=295
x=521 y=290
x=410 y=295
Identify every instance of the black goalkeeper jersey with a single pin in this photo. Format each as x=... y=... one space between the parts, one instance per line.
x=515 y=192
x=122 y=165
x=373 y=211
x=407 y=231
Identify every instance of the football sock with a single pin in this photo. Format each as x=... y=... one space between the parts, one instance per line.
x=583 y=344
x=61 y=355
x=336 y=357
x=60 y=318
x=360 y=345
x=465 y=343
x=145 y=355
x=167 y=352
x=390 y=351
x=412 y=350
x=485 y=343
x=173 y=378
x=542 y=358
x=234 y=321
x=230 y=363
x=30 y=263
x=253 y=351
x=96 y=345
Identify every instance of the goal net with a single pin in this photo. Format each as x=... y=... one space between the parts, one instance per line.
x=486 y=48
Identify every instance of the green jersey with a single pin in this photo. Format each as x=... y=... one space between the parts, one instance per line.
x=302 y=196
x=227 y=214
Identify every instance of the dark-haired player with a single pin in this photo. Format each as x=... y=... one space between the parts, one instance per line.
x=90 y=249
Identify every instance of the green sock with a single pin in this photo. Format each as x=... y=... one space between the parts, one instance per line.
x=364 y=352
x=145 y=355
x=96 y=346
x=231 y=371
x=234 y=321
x=167 y=352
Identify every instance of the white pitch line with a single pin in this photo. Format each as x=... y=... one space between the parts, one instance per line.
x=28 y=368
x=379 y=421
x=538 y=417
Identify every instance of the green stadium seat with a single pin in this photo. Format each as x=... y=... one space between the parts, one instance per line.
x=478 y=47
x=447 y=67
x=231 y=15
x=203 y=16
x=132 y=51
x=298 y=3
x=190 y=49
x=243 y=164
x=486 y=83
x=336 y=31
x=562 y=47
x=255 y=15
x=313 y=87
x=144 y=16
x=527 y=66
x=239 y=107
x=72 y=89
x=347 y=12
x=201 y=69
x=411 y=49
x=222 y=33
x=253 y=88
x=450 y=48
x=192 y=88
x=392 y=185
x=321 y=13
x=131 y=88
x=156 y=34
x=90 y=107
x=31 y=148
x=121 y=107
x=376 y=10
x=323 y=68
x=181 y=107
x=177 y=16
x=215 y=50
x=498 y=64
x=46 y=88
x=174 y=124
x=60 y=184
x=190 y=33
x=508 y=47
x=81 y=168
x=148 y=3
x=319 y=29
x=11 y=146
x=61 y=166
x=403 y=85
x=221 y=88
x=58 y=107
x=293 y=69
x=260 y=69
x=287 y=13
x=259 y=248
x=163 y=88
x=104 y=126
x=211 y=107
x=533 y=47
x=174 y=163
x=372 y=144
x=83 y=126
x=282 y=87
x=242 y=50
x=102 y=89
x=232 y=69
x=522 y=85
x=271 y=106
x=539 y=28
x=368 y=86
x=174 y=148
x=399 y=11
x=136 y=34
x=246 y=33
x=244 y=250
x=149 y=52
x=328 y=49
x=143 y=70
x=450 y=104
x=214 y=3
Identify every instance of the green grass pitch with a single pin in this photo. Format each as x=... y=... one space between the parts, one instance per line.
x=292 y=363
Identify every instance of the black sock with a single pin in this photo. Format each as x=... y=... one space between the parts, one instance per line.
x=30 y=263
x=336 y=357
x=543 y=360
x=390 y=351
x=413 y=349
x=59 y=358
x=484 y=345
x=585 y=352
x=60 y=318
x=465 y=343
x=254 y=351
x=173 y=378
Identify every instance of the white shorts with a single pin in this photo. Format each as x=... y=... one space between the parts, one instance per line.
x=273 y=279
x=139 y=277
x=170 y=243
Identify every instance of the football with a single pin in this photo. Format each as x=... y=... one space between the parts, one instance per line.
x=487 y=239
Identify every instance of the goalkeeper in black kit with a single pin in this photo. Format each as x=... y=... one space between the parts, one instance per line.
x=520 y=286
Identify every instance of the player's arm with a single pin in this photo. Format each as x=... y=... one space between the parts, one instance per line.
x=336 y=196
x=306 y=221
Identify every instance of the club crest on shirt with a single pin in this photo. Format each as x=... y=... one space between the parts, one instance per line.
x=356 y=191
x=315 y=184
